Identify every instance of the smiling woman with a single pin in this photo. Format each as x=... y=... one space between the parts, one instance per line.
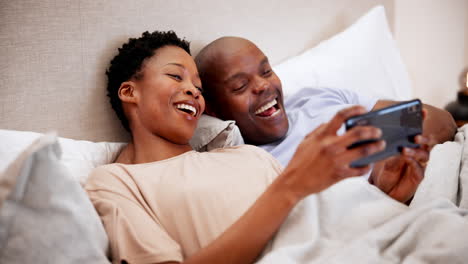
x=162 y=202
x=167 y=89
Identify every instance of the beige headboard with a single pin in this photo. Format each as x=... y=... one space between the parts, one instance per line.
x=54 y=53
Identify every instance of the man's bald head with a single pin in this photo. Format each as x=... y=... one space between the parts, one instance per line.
x=213 y=60
x=219 y=48
x=240 y=85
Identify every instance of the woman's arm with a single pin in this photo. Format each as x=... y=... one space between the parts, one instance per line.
x=321 y=160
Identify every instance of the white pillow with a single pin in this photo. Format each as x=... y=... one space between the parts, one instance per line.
x=45 y=215
x=81 y=156
x=364 y=58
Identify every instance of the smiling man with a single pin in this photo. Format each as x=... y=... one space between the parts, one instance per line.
x=240 y=85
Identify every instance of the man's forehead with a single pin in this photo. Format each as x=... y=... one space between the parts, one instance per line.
x=239 y=59
x=245 y=64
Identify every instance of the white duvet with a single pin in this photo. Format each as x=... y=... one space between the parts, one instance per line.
x=354 y=222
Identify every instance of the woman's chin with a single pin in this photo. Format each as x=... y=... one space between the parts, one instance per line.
x=182 y=140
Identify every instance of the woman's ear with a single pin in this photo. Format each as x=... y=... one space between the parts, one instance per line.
x=127 y=92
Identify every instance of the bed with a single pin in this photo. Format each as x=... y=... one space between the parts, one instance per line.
x=54 y=55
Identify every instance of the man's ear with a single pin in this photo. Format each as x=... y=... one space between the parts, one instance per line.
x=127 y=92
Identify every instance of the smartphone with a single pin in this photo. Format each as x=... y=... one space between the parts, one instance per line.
x=400 y=123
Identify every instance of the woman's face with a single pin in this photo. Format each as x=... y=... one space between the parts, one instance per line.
x=169 y=95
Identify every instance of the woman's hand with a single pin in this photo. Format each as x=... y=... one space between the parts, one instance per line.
x=323 y=158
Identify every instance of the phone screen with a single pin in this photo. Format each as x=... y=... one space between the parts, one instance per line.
x=399 y=123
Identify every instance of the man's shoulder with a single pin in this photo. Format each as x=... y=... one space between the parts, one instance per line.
x=317 y=93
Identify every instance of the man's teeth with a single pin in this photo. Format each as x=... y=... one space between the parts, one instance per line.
x=265 y=107
x=192 y=109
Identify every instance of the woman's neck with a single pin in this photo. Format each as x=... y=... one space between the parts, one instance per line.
x=146 y=147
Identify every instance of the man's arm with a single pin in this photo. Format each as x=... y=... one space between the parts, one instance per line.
x=438 y=123
x=400 y=176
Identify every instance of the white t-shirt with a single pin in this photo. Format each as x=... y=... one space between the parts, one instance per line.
x=306 y=110
x=168 y=210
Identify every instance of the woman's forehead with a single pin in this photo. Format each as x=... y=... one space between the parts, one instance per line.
x=171 y=56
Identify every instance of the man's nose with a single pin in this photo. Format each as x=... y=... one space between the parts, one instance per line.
x=260 y=85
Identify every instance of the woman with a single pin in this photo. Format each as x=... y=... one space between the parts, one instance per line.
x=162 y=202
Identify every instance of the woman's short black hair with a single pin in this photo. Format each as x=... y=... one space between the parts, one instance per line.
x=128 y=62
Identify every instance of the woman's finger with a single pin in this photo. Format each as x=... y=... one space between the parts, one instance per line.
x=350 y=155
x=358 y=133
x=338 y=120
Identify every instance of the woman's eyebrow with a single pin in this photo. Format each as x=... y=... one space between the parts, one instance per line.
x=176 y=64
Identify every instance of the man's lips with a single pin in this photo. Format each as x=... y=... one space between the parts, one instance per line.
x=269 y=109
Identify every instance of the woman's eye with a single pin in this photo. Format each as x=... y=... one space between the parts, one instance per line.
x=199 y=89
x=175 y=76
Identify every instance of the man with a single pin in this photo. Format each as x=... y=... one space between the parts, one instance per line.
x=240 y=85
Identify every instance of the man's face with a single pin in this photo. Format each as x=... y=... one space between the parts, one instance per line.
x=245 y=89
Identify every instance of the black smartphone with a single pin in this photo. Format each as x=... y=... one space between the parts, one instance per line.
x=400 y=123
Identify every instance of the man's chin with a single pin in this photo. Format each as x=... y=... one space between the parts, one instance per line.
x=264 y=140
x=267 y=136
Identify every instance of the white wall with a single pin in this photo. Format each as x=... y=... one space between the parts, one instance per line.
x=432 y=37
x=466 y=41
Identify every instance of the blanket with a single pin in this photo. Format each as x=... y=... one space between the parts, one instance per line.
x=354 y=222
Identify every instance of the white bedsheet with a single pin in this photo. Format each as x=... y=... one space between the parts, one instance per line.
x=354 y=222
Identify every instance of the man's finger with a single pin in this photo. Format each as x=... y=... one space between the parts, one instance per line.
x=420 y=155
x=426 y=142
x=408 y=184
x=391 y=173
x=420 y=139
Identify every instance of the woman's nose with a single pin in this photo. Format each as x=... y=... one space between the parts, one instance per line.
x=192 y=91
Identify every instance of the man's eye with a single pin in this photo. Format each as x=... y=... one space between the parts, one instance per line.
x=240 y=87
x=267 y=72
x=175 y=76
x=199 y=89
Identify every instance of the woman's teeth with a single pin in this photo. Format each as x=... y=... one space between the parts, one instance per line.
x=190 y=108
x=266 y=106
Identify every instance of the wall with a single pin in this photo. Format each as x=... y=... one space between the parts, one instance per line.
x=54 y=53
x=432 y=37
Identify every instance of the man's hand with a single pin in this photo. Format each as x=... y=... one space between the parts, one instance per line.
x=400 y=176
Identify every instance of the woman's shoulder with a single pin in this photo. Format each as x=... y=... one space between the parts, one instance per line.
x=246 y=150
x=107 y=175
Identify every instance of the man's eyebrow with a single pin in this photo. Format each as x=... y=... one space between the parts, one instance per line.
x=264 y=61
x=239 y=74
x=235 y=76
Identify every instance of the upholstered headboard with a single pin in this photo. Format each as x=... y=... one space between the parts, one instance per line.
x=54 y=53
